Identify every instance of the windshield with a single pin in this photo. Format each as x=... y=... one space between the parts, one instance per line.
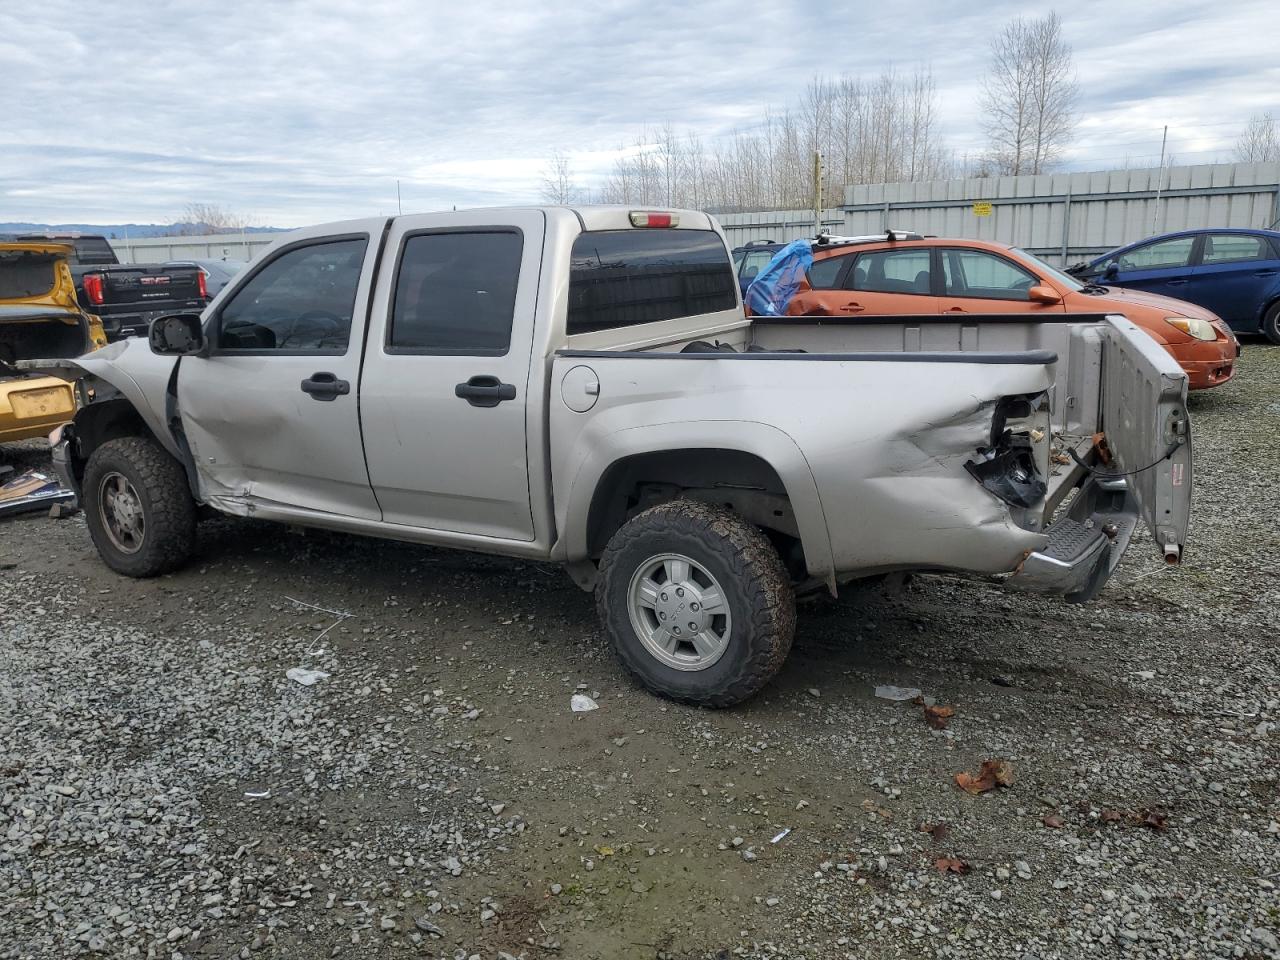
x=1068 y=281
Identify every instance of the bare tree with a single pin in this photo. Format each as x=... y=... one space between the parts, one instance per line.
x=1029 y=98
x=558 y=185
x=868 y=131
x=202 y=218
x=1260 y=142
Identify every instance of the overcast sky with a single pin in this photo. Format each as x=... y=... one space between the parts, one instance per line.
x=298 y=112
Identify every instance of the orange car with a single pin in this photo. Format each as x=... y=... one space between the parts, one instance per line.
x=875 y=277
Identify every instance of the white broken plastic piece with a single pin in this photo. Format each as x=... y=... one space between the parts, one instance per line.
x=304 y=676
x=782 y=836
x=887 y=691
x=581 y=703
x=260 y=794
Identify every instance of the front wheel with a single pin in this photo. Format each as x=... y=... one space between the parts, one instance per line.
x=138 y=506
x=696 y=603
x=1271 y=323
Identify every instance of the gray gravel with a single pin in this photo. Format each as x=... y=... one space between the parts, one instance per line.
x=165 y=791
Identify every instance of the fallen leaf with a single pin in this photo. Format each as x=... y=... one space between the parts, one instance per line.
x=1155 y=819
x=993 y=773
x=938 y=717
x=604 y=851
x=1052 y=821
x=938 y=831
x=1112 y=816
x=951 y=865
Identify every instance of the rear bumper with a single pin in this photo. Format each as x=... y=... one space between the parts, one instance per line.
x=31 y=407
x=1084 y=547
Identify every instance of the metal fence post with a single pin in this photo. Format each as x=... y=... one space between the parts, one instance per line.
x=1066 y=225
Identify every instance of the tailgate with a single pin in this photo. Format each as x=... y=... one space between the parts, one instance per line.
x=150 y=284
x=1148 y=430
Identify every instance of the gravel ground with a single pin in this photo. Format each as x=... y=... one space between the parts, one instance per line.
x=167 y=792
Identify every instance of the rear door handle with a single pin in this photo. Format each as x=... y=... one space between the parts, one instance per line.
x=1265 y=273
x=325 y=386
x=853 y=306
x=1176 y=281
x=485 y=391
x=956 y=310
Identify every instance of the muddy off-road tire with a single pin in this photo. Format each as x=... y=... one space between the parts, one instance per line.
x=697 y=603
x=1271 y=324
x=138 y=507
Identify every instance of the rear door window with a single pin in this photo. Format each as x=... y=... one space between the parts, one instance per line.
x=891 y=271
x=456 y=293
x=1234 y=248
x=619 y=278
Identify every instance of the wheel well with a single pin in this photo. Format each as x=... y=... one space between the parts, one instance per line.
x=741 y=482
x=101 y=421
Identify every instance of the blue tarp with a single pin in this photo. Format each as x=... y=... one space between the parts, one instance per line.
x=775 y=285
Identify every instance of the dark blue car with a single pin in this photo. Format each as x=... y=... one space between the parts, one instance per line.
x=750 y=259
x=1233 y=272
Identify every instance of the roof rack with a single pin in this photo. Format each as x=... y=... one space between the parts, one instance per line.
x=825 y=239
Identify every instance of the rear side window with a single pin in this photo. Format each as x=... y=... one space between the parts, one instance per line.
x=619 y=278
x=891 y=271
x=824 y=273
x=456 y=293
x=754 y=262
x=300 y=302
x=1231 y=247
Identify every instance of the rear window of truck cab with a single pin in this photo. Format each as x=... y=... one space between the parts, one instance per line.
x=620 y=278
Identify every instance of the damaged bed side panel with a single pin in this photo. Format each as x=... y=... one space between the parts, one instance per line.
x=885 y=442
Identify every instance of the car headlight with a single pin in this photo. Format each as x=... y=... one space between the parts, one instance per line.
x=1193 y=326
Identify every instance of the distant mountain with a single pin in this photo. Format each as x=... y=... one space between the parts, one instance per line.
x=132 y=231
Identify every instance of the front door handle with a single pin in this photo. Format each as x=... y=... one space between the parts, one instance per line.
x=485 y=391
x=853 y=306
x=956 y=310
x=1265 y=273
x=1176 y=281
x=325 y=386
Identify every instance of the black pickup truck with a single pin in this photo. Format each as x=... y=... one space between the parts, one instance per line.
x=127 y=296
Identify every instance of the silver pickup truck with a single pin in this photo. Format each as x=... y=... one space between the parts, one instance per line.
x=582 y=386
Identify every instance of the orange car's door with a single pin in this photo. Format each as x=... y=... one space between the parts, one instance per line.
x=979 y=281
x=888 y=281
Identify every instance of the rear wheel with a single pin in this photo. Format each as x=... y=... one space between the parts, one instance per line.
x=139 y=508
x=1271 y=323
x=696 y=603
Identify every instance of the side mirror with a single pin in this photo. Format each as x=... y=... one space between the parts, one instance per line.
x=176 y=335
x=1112 y=271
x=1043 y=294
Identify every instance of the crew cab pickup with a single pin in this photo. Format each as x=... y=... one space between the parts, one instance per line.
x=582 y=386
x=128 y=296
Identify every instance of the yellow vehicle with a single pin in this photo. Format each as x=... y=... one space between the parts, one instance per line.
x=40 y=319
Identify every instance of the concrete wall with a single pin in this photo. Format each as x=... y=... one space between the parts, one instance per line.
x=1061 y=217
x=234 y=246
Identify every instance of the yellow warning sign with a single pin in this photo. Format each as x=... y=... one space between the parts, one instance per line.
x=982 y=208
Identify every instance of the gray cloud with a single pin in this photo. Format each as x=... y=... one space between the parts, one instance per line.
x=311 y=110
